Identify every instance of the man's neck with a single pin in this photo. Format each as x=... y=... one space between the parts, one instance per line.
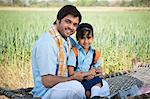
x=59 y=31
x=63 y=36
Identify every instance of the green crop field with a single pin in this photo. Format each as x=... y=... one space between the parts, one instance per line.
x=119 y=35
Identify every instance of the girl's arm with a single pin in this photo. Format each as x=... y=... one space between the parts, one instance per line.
x=76 y=75
x=90 y=74
x=71 y=70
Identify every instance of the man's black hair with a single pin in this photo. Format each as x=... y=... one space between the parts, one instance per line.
x=68 y=10
x=84 y=27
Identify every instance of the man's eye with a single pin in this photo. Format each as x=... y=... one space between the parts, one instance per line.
x=75 y=25
x=67 y=21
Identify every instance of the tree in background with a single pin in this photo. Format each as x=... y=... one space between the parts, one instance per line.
x=85 y=2
x=15 y=2
x=138 y=3
x=49 y=3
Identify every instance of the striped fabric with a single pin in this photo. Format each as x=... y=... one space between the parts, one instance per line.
x=61 y=68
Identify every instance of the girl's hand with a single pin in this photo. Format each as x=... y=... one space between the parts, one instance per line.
x=99 y=71
x=90 y=74
x=92 y=71
x=89 y=77
x=78 y=76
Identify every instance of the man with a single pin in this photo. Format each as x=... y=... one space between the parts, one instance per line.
x=49 y=57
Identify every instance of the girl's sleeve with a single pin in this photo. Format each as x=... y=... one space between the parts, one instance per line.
x=98 y=63
x=71 y=59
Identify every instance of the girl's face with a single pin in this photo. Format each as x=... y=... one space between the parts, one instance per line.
x=86 y=40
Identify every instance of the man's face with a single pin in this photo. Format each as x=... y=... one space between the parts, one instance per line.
x=67 y=26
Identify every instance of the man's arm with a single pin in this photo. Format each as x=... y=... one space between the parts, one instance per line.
x=51 y=80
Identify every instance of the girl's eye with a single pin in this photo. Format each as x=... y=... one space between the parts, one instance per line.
x=83 y=38
x=86 y=37
x=89 y=37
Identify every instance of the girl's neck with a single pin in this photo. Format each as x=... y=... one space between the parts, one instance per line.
x=86 y=50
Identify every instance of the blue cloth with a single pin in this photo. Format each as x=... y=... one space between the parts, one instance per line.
x=88 y=84
x=44 y=61
x=84 y=60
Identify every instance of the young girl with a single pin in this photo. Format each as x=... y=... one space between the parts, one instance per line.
x=81 y=60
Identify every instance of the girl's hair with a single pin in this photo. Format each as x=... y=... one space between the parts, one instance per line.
x=84 y=29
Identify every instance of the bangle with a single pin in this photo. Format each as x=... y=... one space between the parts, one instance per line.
x=70 y=78
x=73 y=77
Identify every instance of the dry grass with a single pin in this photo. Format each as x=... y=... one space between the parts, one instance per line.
x=16 y=76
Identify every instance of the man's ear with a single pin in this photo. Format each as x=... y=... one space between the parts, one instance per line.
x=57 y=21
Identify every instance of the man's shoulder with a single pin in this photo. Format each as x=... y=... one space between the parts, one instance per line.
x=73 y=42
x=45 y=38
x=45 y=35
